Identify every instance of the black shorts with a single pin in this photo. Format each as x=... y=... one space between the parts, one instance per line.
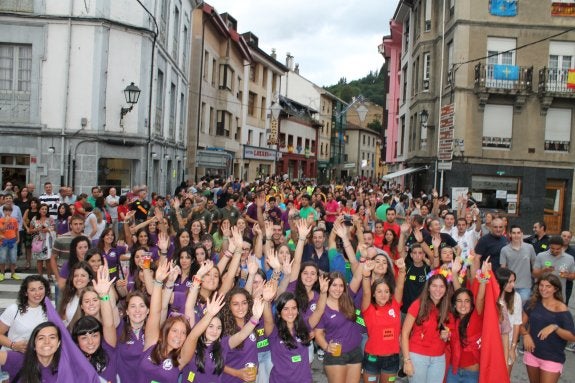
x=352 y=357
x=375 y=365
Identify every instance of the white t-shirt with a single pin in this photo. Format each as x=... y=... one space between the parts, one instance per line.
x=21 y=325
x=517 y=317
x=71 y=309
x=113 y=210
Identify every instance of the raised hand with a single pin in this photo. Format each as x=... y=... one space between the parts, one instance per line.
x=405 y=228
x=257 y=230
x=436 y=241
x=260 y=200
x=323 y=284
x=286 y=268
x=273 y=260
x=303 y=229
x=102 y=283
x=258 y=308
x=174 y=274
x=205 y=268
x=418 y=235
x=163 y=242
x=253 y=266
x=176 y=203
x=486 y=267
x=340 y=230
x=400 y=263
x=368 y=267
x=269 y=292
x=163 y=270
x=226 y=231
x=456 y=265
x=269 y=229
x=237 y=237
x=214 y=305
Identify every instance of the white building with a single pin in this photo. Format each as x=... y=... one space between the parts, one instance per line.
x=64 y=66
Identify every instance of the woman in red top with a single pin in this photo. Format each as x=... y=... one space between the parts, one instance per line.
x=378 y=234
x=381 y=311
x=466 y=335
x=424 y=333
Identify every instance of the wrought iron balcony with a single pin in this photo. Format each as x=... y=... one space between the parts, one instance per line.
x=555 y=81
x=495 y=79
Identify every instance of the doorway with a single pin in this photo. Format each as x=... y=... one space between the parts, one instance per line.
x=15 y=168
x=553 y=206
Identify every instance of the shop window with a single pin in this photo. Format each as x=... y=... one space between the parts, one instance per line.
x=497 y=193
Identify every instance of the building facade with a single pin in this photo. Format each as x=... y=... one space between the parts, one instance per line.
x=63 y=72
x=499 y=107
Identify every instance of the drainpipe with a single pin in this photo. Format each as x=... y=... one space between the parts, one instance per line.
x=67 y=86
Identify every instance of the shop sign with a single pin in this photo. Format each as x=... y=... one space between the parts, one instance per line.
x=253 y=153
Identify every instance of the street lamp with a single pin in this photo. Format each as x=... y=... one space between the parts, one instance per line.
x=132 y=94
x=362 y=114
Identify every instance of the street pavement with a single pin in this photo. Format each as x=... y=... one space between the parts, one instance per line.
x=9 y=291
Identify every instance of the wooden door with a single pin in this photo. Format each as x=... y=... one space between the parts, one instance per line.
x=553 y=207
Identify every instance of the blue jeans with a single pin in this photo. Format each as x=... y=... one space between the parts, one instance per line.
x=9 y=255
x=462 y=376
x=265 y=366
x=428 y=369
x=524 y=293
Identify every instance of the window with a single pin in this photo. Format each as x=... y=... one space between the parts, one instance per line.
x=206 y=64
x=251 y=104
x=561 y=59
x=415 y=77
x=185 y=51
x=426 y=70
x=493 y=192
x=363 y=135
x=261 y=141
x=404 y=89
x=224 y=123
x=163 y=18
x=449 y=61
x=428 y=10
x=183 y=116
x=501 y=52
x=423 y=136
x=250 y=137
x=17 y=6
x=263 y=109
x=15 y=82
x=401 y=137
x=211 y=124
x=214 y=71
x=406 y=36
x=497 y=126
x=172 y=125
x=203 y=125
x=558 y=130
x=176 y=34
x=226 y=77
x=253 y=70
x=265 y=78
x=159 y=103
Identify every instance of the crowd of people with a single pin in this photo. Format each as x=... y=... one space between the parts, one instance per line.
x=229 y=281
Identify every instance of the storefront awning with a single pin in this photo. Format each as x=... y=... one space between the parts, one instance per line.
x=402 y=172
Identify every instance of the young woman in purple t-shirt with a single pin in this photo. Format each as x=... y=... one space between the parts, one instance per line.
x=111 y=250
x=339 y=335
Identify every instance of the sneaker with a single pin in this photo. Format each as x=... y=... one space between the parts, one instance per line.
x=320 y=354
x=1 y=277
x=570 y=347
x=16 y=277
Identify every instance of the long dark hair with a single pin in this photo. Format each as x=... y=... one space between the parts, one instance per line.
x=67 y=212
x=300 y=329
x=22 y=299
x=87 y=325
x=228 y=321
x=216 y=353
x=345 y=303
x=463 y=319
x=127 y=329
x=30 y=371
x=194 y=267
x=503 y=275
x=73 y=259
x=100 y=244
x=426 y=303
x=69 y=289
x=301 y=296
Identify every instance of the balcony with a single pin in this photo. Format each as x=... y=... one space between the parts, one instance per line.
x=503 y=80
x=553 y=85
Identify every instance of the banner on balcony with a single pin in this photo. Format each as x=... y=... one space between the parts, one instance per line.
x=562 y=9
x=571 y=79
x=505 y=72
x=503 y=7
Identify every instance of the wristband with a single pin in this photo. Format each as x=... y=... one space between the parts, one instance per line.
x=196 y=279
x=169 y=287
x=254 y=321
x=228 y=253
x=105 y=298
x=12 y=345
x=482 y=278
x=159 y=283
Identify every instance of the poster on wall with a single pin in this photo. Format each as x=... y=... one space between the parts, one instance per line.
x=505 y=8
x=456 y=192
x=562 y=8
x=512 y=208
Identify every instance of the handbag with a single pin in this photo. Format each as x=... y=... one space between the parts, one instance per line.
x=37 y=244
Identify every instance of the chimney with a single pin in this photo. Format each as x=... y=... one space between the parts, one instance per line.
x=274 y=54
x=296 y=68
x=289 y=61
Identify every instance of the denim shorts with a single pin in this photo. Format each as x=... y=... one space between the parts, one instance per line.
x=8 y=255
x=375 y=365
x=351 y=357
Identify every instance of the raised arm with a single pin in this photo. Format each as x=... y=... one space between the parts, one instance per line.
x=400 y=280
x=314 y=318
x=249 y=326
x=102 y=285
x=368 y=267
x=258 y=241
x=269 y=292
x=483 y=279
x=194 y=291
x=303 y=230
x=154 y=317
x=228 y=278
x=342 y=232
x=405 y=229
x=253 y=268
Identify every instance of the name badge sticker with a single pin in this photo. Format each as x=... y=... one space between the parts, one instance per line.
x=296 y=358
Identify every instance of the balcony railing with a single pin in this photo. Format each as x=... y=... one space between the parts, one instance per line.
x=554 y=81
x=504 y=77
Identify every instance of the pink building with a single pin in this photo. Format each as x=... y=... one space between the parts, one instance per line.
x=392 y=54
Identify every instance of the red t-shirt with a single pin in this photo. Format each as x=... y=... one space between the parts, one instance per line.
x=424 y=339
x=123 y=209
x=393 y=226
x=378 y=241
x=468 y=355
x=383 y=325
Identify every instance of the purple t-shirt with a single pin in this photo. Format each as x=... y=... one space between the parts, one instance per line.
x=190 y=371
x=262 y=341
x=338 y=328
x=111 y=369
x=147 y=371
x=65 y=270
x=237 y=358
x=62 y=226
x=289 y=365
x=14 y=362
x=312 y=304
x=252 y=212
x=113 y=258
x=179 y=304
x=129 y=353
x=182 y=286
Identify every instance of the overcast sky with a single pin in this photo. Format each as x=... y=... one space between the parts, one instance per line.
x=329 y=39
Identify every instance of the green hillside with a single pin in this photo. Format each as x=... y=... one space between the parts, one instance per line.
x=371 y=87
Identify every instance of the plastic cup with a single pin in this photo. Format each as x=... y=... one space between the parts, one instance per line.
x=252 y=369
x=336 y=349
